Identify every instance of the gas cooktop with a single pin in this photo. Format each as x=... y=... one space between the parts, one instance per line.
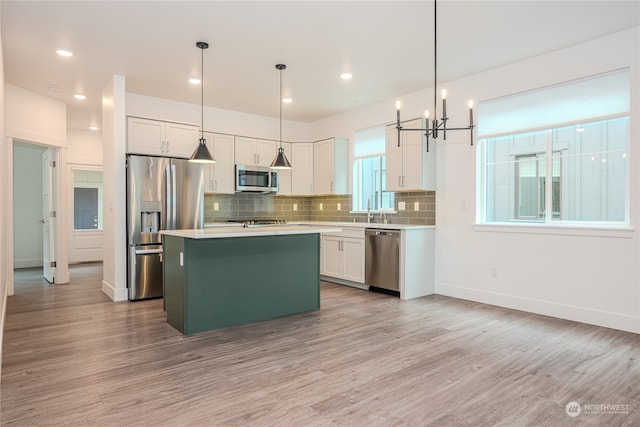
x=258 y=222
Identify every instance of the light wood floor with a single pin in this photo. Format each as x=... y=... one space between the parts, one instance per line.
x=73 y=357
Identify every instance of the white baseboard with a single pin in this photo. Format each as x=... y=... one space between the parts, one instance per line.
x=120 y=294
x=546 y=308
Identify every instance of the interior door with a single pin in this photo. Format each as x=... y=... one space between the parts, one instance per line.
x=49 y=162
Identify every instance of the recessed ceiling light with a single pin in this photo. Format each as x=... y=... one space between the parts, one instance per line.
x=65 y=53
x=93 y=127
x=287 y=100
x=79 y=96
x=346 y=76
x=53 y=88
x=194 y=81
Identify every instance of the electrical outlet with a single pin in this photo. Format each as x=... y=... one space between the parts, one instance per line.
x=339 y=206
x=295 y=206
x=216 y=206
x=321 y=206
x=400 y=206
x=416 y=206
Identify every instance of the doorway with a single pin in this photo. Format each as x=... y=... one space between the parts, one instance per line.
x=29 y=215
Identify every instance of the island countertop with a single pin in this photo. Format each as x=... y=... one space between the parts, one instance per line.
x=262 y=230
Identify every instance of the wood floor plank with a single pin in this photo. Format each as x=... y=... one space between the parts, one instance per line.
x=73 y=357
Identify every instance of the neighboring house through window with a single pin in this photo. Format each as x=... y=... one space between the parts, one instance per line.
x=562 y=146
x=369 y=171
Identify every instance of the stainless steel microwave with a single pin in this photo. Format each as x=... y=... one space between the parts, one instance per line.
x=256 y=179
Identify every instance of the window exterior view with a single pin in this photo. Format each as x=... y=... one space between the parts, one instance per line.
x=556 y=155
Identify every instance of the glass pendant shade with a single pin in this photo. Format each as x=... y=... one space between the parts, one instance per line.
x=280 y=162
x=201 y=153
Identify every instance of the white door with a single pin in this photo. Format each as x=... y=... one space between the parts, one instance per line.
x=49 y=161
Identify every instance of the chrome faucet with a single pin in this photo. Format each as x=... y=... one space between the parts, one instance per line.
x=369 y=215
x=383 y=218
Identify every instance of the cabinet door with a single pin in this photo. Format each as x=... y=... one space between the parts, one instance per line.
x=284 y=175
x=323 y=167
x=302 y=172
x=181 y=140
x=331 y=257
x=145 y=136
x=245 y=151
x=265 y=152
x=223 y=168
x=353 y=259
x=413 y=155
x=393 y=155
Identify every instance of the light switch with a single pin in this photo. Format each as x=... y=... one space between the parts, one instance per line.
x=400 y=206
x=339 y=206
x=416 y=206
x=295 y=206
x=321 y=206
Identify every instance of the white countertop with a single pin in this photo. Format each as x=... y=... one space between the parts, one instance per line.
x=334 y=224
x=264 y=230
x=368 y=225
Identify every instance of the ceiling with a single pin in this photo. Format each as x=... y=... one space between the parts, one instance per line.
x=386 y=45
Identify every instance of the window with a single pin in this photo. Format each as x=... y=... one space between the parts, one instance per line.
x=87 y=200
x=369 y=170
x=577 y=169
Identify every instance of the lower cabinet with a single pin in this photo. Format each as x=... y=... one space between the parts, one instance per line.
x=342 y=255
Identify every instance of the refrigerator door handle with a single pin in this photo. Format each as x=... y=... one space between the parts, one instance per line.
x=173 y=197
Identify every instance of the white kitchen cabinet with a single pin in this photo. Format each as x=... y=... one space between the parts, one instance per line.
x=219 y=176
x=159 y=138
x=285 y=175
x=254 y=151
x=302 y=168
x=410 y=166
x=342 y=255
x=331 y=166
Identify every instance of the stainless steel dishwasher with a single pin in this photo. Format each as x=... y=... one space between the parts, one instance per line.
x=382 y=259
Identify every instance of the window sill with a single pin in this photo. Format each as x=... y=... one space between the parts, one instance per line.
x=565 y=229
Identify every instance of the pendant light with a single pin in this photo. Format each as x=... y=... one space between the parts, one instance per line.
x=201 y=154
x=280 y=162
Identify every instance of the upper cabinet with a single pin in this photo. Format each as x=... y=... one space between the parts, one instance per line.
x=254 y=151
x=219 y=176
x=409 y=166
x=302 y=168
x=158 y=138
x=331 y=166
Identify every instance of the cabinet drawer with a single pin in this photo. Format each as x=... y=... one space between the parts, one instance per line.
x=354 y=232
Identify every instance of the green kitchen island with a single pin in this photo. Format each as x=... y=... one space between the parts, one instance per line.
x=220 y=277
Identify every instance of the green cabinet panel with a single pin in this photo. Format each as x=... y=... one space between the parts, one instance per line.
x=231 y=281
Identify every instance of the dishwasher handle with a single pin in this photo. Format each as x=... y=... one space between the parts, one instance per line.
x=381 y=233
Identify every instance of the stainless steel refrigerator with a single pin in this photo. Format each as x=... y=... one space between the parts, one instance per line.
x=162 y=194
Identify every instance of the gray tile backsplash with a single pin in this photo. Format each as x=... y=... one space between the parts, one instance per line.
x=292 y=208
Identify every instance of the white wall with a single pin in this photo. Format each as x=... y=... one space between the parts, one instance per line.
x=84 y=147
x=27 y=205
x=590 y=276
x=4 y=223
x=36 y=118
x=114 y=128
x=216 y=119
